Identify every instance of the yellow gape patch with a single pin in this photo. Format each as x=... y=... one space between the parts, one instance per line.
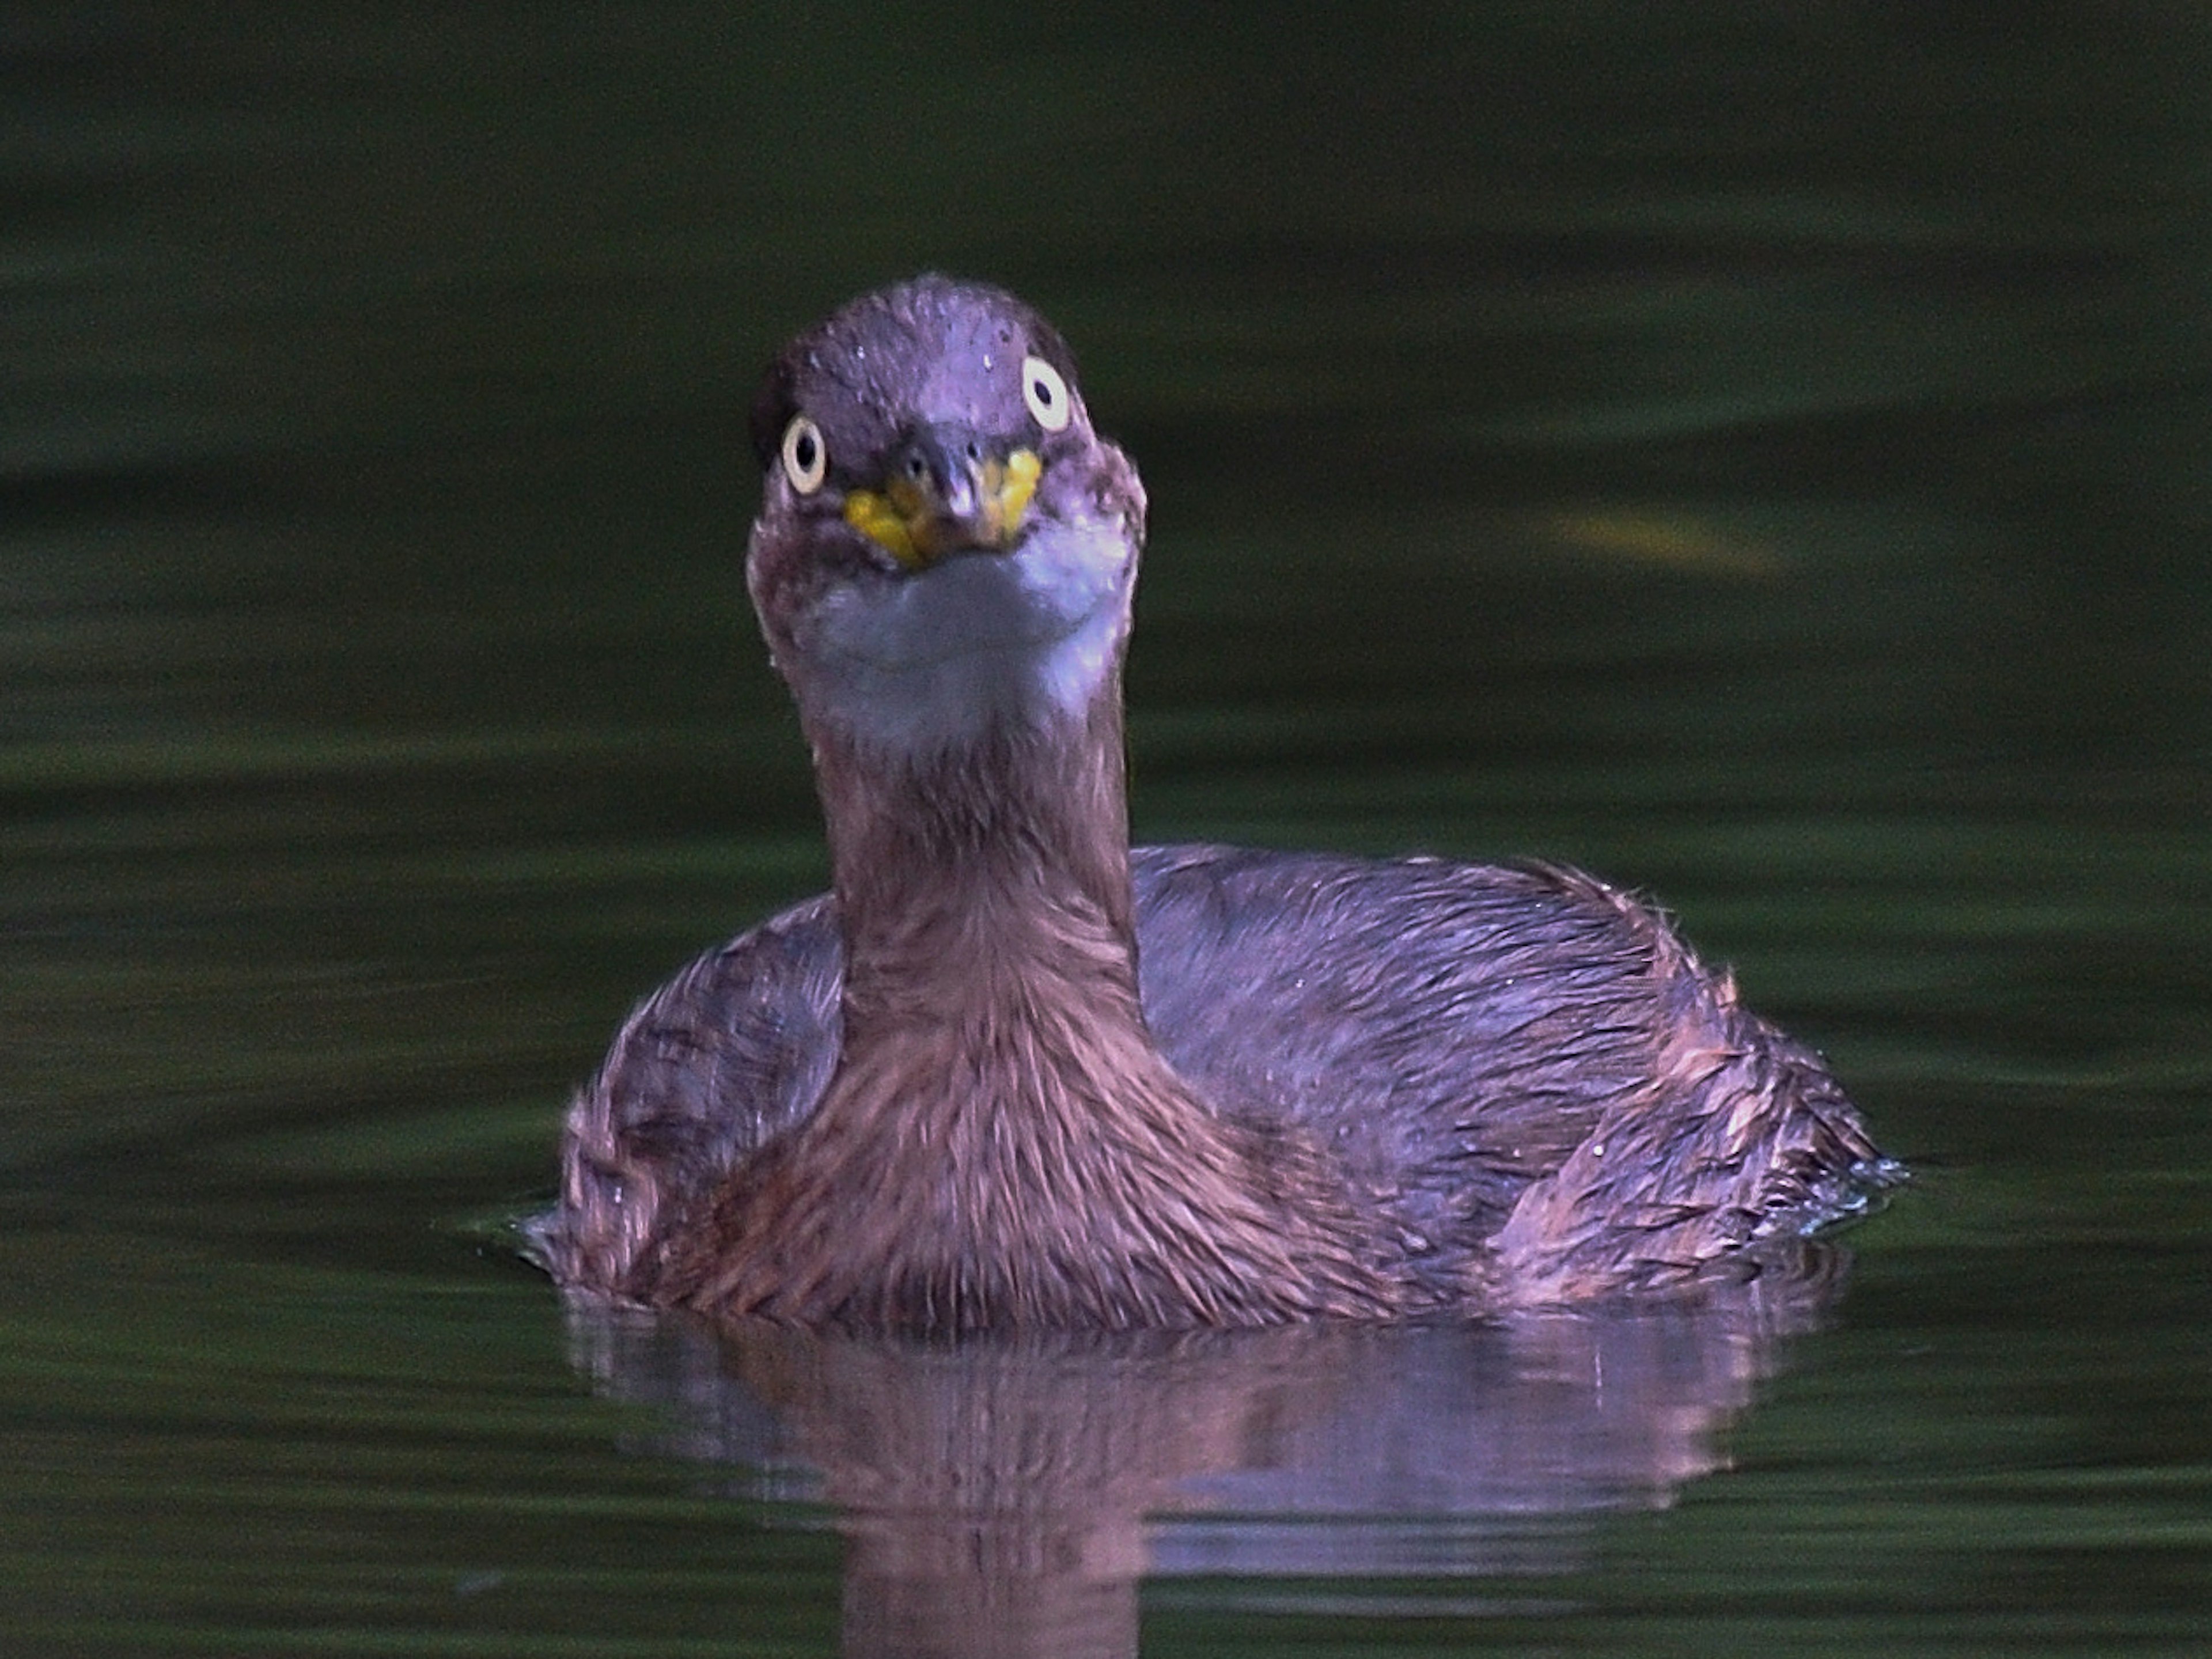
x=909 y=520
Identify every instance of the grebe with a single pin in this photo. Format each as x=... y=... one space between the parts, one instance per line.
x=1010 y=1073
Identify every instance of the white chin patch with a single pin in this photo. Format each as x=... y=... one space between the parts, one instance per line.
x=934 y=661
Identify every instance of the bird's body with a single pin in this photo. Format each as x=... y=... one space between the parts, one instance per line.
x=1006 y=1074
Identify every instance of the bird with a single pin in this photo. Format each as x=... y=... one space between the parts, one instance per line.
x=1010 y=1073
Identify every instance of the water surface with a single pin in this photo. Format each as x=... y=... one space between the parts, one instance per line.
x=1758 y=454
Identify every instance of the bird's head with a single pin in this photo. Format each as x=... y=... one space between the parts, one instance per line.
x=944 y=543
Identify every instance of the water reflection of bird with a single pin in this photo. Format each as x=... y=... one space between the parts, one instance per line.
x=1008 y=1072
x=1001 y=1497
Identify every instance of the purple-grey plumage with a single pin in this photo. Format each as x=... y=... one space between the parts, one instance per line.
x=1006 y=1072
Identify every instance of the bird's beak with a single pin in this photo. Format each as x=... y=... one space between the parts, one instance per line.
x=947 y=491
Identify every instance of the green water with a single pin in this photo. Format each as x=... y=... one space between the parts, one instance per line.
x=1761 y=453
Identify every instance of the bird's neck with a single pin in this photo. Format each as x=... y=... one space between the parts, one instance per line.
x=973 y=883
x=1001 y=1143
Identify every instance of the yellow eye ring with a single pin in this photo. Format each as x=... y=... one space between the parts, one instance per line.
x=805 y=456
x=1046 y=393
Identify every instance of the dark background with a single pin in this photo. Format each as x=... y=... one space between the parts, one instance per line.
x=1759 y=451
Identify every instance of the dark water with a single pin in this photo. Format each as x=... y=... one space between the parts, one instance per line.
x=1761 y=451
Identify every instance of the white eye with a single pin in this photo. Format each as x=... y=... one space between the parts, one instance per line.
x=806 y=457
x=1046 y=394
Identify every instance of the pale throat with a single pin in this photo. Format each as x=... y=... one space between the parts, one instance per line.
x=933 y=665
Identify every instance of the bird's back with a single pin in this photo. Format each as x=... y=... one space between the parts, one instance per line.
x=1523 y=1073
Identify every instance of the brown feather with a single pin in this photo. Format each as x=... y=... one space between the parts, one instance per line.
x=991 y=1081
